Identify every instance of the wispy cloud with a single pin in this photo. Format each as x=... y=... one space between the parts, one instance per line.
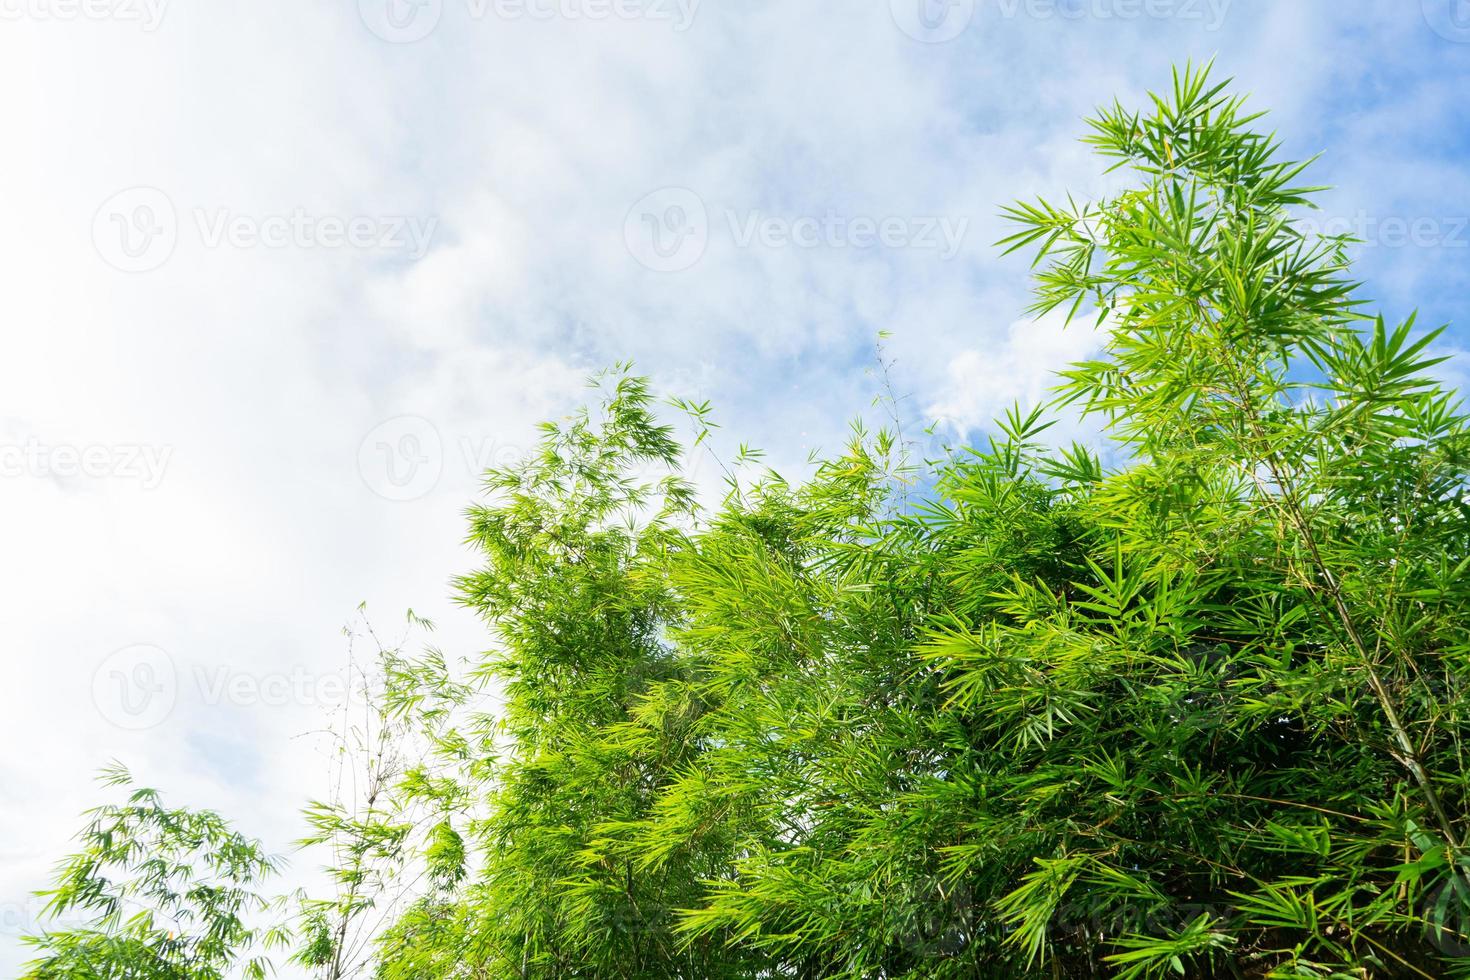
x=376 y=241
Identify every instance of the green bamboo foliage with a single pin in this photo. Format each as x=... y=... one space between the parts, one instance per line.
x=167 y=894
x=1189 y=703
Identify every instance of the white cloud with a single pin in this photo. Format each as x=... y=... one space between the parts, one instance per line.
x=526 y=142
x=1020 y=367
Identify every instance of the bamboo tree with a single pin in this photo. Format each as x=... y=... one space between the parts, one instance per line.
x=1188 y=703
x=170 y=893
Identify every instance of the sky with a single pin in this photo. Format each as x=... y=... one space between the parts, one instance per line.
x=280 y=279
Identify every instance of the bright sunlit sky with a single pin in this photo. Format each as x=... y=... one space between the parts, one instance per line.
x=281 y=276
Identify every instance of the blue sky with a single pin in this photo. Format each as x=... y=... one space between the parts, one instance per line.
x=280 y=277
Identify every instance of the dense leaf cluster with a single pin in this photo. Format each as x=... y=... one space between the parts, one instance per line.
x=1191 y=706
x=168 y=894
